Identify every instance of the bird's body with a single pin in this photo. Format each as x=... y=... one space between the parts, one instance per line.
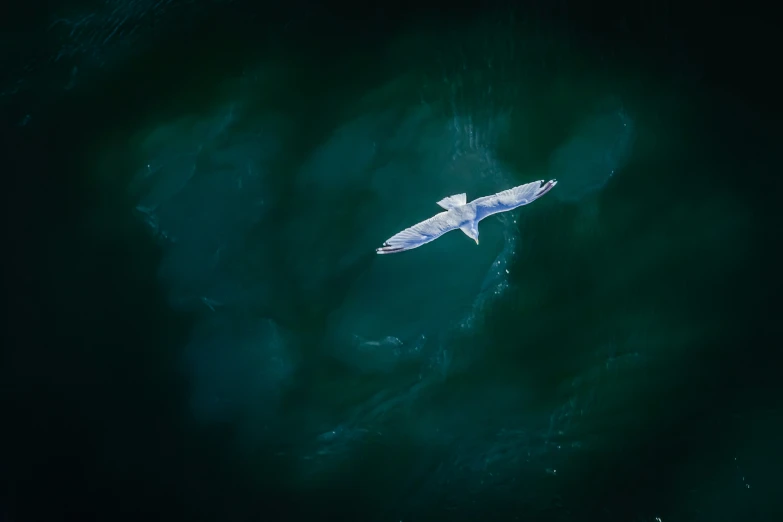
x=465 y=216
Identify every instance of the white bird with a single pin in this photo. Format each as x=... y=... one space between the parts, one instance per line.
x=464 y=216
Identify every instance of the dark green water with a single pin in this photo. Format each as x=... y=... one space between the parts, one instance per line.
x=203 y=331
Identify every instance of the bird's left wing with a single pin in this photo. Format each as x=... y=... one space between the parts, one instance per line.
x=419 y=234
x=511 y=198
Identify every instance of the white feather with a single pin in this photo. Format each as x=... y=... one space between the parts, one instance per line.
x=463 y=215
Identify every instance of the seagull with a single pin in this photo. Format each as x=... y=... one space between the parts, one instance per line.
x=464 y=216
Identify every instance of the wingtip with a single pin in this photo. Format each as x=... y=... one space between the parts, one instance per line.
x=549 y=185
x=388 y=249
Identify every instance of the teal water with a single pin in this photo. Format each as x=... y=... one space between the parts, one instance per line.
x=224 y=332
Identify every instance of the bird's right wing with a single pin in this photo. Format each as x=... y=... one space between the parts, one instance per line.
x=419 y=234
x=511 y=198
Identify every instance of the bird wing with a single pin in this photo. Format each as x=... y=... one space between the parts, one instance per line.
x=511 y=198
x=419 y=234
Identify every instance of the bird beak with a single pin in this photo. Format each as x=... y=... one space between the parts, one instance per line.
x=477 y=241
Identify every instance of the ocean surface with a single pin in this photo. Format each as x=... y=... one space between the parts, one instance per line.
x=200 y=328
